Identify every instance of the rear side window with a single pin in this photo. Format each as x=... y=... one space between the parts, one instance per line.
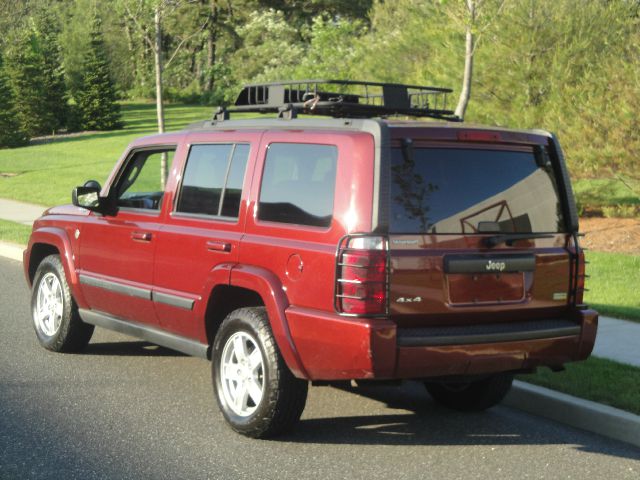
x=212 y=183
x=452 y=190
x=298 y=184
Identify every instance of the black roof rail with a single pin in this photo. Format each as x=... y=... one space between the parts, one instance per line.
x=340 y=99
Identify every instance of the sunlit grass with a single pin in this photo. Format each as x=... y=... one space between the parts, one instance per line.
x=603 y=192
x=14 y=232
x=596 y=379
x=45 y=174
x=613 y=284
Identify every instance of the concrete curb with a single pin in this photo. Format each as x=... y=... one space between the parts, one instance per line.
x=576 y=412
x=12 y=251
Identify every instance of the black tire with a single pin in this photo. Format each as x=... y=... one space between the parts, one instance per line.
x=66 y=332
x=471 y=396
x=283 y=395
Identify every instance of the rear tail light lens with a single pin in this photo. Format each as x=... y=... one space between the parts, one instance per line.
x=580 y=278
x=362 y=276
x=578 y=271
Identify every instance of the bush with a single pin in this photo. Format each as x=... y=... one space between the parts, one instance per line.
x=621 y=211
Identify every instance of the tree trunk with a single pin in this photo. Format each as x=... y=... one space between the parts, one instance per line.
x=212 y=37
x=159 y=106
x=465 y=93
x=131 y=49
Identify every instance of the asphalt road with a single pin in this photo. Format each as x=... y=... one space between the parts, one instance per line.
x=127 y=409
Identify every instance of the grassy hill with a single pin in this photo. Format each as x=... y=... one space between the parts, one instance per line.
x=46 y=173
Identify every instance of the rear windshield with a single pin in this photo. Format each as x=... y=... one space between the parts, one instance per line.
x=453 y=190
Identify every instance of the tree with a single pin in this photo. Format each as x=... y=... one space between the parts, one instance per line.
x=271 y=46
x=11 y=134
x=97 y=95
x=148 y=17
x=26 y=71
x=474 y=17
x=56 y=98
x=36 y=75
x=301 y=12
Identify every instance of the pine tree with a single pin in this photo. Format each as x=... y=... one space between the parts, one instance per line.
x=97 y=95
x=35 y=70
x=11 y=135
x=56 y=100
x=26 y=72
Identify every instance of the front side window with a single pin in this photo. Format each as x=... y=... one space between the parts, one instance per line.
x=458 y=190
x=140 y=185
x=298 y=184
x=212 y=183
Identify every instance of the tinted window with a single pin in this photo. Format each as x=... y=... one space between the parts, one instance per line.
x=212 y=183
x=446 y=190
x=298 y=184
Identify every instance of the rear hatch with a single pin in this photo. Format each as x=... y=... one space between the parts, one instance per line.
x=477 y=234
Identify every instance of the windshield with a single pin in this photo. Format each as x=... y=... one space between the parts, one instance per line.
x=453 y=190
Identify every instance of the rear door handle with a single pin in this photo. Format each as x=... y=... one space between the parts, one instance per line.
x=142 y=236
x=218 y=246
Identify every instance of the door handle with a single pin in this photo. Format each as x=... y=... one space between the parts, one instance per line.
x=142 y=236
x=218 y=246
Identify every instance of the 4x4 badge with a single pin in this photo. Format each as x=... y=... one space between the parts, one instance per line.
x=409 y=300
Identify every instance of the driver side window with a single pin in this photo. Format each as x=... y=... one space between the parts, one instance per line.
x=140 y=185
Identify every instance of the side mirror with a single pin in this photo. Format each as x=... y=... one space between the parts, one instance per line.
x=86 y=197
x=92 y=183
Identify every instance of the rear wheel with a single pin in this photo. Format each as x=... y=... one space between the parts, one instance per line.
x=471 y=396
x=257 y=394
x=55 y=315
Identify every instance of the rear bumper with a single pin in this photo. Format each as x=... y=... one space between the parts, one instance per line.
x=332 y=347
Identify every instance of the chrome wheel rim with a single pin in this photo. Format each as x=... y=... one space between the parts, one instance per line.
x=49 y=305
x=242 y=374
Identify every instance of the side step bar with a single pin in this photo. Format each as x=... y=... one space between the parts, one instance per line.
x=488 y=333
x=145 y=332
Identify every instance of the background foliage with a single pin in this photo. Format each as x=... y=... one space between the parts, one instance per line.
x=570 y=66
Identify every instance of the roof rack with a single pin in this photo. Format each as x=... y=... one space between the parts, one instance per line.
x=341 y=98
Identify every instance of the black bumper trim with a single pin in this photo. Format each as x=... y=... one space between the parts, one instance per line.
x=487 y=333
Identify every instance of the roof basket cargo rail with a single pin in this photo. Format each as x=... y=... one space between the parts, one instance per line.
x=341 y=98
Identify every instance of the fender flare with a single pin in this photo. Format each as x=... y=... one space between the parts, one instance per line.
x=58 y=238
x=269 y=287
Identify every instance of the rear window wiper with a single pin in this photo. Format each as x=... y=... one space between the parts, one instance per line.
x=509 y=238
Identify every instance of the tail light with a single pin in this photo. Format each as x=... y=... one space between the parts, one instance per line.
x=580 y=277
x=362 y=276
x=579 y=270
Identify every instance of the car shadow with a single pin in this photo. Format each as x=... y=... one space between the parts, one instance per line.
x=130 y=349
x=423 y=422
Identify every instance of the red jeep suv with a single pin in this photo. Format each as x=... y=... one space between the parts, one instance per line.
x=343 y=247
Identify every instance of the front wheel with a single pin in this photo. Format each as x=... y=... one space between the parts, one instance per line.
x=472 y=396
x=257 y=394
x=55 y=315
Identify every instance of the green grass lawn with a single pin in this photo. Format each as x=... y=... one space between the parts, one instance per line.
x=45 y=174
x=597 y=379
x=613 y=284
x=14 y=232
x=603 y=193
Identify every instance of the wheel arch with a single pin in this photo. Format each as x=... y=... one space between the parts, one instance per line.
x=255 y=286
x=223 y=300
x=39 y=251
x=52 y=241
